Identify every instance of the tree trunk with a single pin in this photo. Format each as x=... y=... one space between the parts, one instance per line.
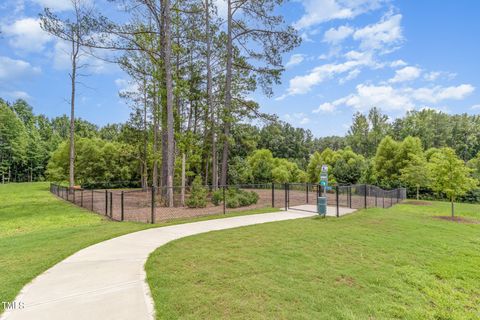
x=167 y=47
x=418 y=192
x=145 y=138
x=210 y=97
x=155 y=135
x=73 y=76
x=453 y=208
x=183 y=180
x=228 y=97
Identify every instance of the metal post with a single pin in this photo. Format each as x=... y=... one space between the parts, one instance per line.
x=273 y=195
x=92 y=199
x=224 y=200
x=122 y=216
x=365 y=191
x=376 y=198
x=286 y=196
x=81 y=198
x=338 y=209
x=152 y=219
x=73 y=196
x=106 y=202
x=383 y=194
x=111 y=205
x=306 y=187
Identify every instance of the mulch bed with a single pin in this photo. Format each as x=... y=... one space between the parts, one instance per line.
x=457 y=219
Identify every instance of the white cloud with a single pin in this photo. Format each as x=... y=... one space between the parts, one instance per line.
x=325 y=107
x=11 y=69
x=125 y=86
x=304 y=83
x=319 y=11
x=26 y=34
x=438 y=93
x=295 y=59
x=406 y=74
x=19 y=95
x=435 y=75
x=55 y=5
x=398 y=63
x=297 y=118
x=394 y=99
x=475 y=107
x=432 y=76
x=90 y=64
x=335 y=36
x=381 y=36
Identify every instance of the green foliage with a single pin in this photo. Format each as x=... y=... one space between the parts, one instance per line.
x=348 y=168
x=449 y=174
x=13 y=142
x=235 y=198
x=217 y=197
x=96 y=160
x=261 y=164
x=385 y=162
x=474 y=165
x=198 y=194
x=416 y=172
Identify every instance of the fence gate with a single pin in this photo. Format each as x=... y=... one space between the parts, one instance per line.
x=302 y=196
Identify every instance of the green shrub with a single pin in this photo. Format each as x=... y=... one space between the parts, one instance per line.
x=217 y=197
x=235 y=198
x=239 y=198
x=198 y=196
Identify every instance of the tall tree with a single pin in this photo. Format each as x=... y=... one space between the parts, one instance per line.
x=450 y=176
x=73 y=31
x=261 y=37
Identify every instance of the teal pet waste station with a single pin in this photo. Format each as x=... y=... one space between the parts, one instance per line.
x=322 y=206
x=322 y=201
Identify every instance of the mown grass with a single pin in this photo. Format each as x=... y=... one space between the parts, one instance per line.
x=397 y=263
x=38 y=230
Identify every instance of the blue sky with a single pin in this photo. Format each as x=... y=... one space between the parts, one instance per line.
x=396 y=55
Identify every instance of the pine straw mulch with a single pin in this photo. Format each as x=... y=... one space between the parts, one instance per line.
x=457 y=219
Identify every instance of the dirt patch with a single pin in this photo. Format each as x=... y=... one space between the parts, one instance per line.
x=345 y=280
x=457 y=219
x=417 y=203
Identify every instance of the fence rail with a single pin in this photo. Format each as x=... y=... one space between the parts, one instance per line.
x=150 y=205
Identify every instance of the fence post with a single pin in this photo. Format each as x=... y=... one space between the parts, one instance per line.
x=306 y=187
x=349 y=196
x=73 y=196
x=224 y=200
x=376 y=195
x=152 y=218
x=338 y=208
x=81 y=198
x=121 y=207
x=92 y=199
x=273 y=195
x=383 y=195
x=365 y=191
x=286 y=196
x=111 y=205
x=106 y=202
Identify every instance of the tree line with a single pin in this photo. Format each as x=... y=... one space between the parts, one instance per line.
x=34 y=147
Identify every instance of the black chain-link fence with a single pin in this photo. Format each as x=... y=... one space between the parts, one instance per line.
x=152 y=205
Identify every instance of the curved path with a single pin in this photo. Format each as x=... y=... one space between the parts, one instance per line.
x=107 y=280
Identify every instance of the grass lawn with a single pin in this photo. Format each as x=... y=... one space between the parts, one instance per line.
x=37 y=230
x=398 y=263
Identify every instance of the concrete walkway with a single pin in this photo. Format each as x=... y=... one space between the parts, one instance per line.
x=107 y=280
